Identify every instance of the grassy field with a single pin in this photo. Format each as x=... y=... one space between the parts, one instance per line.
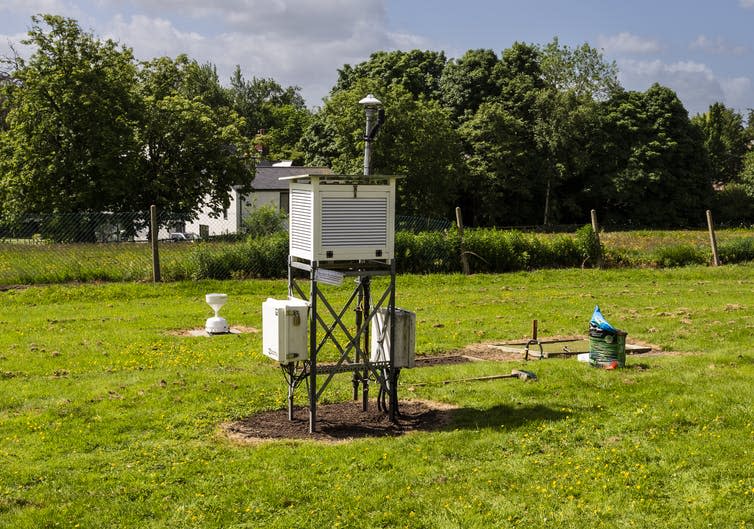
x=109 y=417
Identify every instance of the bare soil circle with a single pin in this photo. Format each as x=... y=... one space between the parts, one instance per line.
x=338 y=422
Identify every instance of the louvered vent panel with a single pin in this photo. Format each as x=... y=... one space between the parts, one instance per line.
x=354 y=221
x=301 y=220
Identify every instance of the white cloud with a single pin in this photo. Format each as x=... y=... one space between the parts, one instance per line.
x=695 y=83
x=35 y=6
x=716 y=45
x=627 y=43
x=153 y=37
x=315 y=18
x=303 y=48
x=10 y=47
x=746 y=4
x=738 y=92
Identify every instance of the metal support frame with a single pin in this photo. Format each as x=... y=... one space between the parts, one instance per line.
x=352 y=343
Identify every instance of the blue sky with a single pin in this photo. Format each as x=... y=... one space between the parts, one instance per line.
x=702 y=49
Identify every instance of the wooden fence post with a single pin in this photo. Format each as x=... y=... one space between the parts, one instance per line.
x=596 y=229
x=712 y=239
x=464 y=258
x=154 y=232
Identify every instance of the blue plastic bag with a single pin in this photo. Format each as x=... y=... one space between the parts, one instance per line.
x=599 y=321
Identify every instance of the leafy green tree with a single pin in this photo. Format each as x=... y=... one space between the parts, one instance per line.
x=565 y=120
x=581 y=70
x=725 y=140
x=657 y=167
x=275 y=117
x=280 y=141
x=521 y=79
x=88 y=130
x=503 y=184
x=191 y=153
x=749 y=129
x=554 y=123
x=416 y=141
x=564 y=132
x=468 y=82
x=416 y=71
x=71 y=142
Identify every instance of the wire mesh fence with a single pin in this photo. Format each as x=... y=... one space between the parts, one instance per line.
x=116 y=246
x=421 y=224
x=89 y=246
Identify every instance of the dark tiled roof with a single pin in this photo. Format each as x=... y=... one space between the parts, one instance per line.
x=267 y=178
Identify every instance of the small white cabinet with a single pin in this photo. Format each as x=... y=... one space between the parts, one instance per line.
x=285 y=325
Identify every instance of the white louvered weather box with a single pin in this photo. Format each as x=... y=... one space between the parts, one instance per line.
x=342 y=217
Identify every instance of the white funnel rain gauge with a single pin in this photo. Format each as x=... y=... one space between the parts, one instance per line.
x=216 y=324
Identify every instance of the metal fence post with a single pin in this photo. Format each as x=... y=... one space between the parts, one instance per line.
x=154 y=232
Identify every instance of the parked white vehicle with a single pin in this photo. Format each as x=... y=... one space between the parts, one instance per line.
x=183 y=237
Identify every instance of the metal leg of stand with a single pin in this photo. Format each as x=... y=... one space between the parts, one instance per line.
x=313 y=356
x=291 y=387
x=367 y=309
x=359 y=320
x=393 y=394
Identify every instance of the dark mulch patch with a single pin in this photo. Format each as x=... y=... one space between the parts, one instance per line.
x=439 y=360
x=340 y=422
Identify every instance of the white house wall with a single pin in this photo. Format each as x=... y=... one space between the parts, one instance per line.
x=239 y=209
x=223 y=224
x=257 y=199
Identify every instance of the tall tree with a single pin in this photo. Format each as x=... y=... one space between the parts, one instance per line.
x=72 y=116
x=564 y=134
x=658 y=167
x=276 y=117
x=90 y=131
x=581 y=70
x=503 y=186
x=416 y=141
x=725 y=140
x=468 y=82
x=750 y=129
x=564 y=121
x=521 y=79
x=416 y=71
x=191 y=152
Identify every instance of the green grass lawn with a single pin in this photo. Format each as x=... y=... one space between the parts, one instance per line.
x=109 y=418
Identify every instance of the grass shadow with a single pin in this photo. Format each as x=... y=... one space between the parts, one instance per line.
x=347 y=421
x=503 y=416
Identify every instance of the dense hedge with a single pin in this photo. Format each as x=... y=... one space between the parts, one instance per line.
x=490 y=250
x=253 y=258
x=487 y=251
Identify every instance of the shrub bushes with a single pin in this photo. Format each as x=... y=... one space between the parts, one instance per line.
x=265 y=256
x=487 y=250
x=265 y=220
x=679 y=255
x=736 y=251
x=427 y=252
